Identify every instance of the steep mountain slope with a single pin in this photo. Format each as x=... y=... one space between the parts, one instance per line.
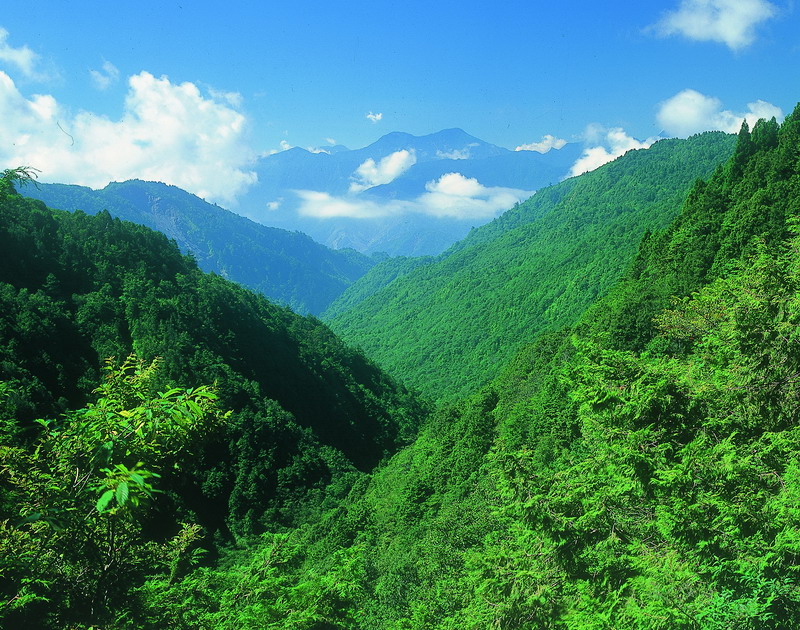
x=360 y=219
x=643 y=480
x=449 y=325
x=287 y=267
x=75 y=289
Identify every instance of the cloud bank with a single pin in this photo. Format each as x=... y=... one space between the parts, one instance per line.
x=374 y=117
x=547 y=143
x=690 y=112
x=167 y=132
x=451 y=196
x=729 y=22
x=370 y=174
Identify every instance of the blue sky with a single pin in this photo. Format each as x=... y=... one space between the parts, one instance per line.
x=192 y=92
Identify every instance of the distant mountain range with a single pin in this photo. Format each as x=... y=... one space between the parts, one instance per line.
x=397 y=195
x=288 y=267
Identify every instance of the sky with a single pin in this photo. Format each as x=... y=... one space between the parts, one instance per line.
x=193 y=93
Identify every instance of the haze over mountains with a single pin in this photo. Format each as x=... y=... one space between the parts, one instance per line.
x=403 y=194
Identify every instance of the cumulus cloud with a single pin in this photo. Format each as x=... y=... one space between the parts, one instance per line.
x=452 y=196
x=370 y=174
x=729 y=22
x=167 y=132
x=547 y=142
x=691 y=112
x=374 y=117
x=23 y=59
x=609 y=145
x=456 y=196
x=104 y=78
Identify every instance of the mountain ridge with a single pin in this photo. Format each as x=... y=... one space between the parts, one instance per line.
x=379 y=226
x=287 y=267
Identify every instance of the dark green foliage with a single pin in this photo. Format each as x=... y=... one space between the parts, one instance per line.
x=77 y=288
x=450 y=325
x=287 y=267
x=74 y=509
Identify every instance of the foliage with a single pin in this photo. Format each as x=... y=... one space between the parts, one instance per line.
x=286 y=267
x=308 y=411
x=74 y=508
x=637 y=468
x=21 y=176
x=450 y=325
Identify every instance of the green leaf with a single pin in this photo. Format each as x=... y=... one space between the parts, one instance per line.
x=122 y=493
x=104 y=500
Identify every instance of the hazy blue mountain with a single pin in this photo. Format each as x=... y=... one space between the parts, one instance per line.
x=287 y=267
x=395 y=217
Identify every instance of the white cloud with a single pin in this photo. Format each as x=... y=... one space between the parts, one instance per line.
x=730 y=22
x=103 y=79
x=325 y=206
x=456 y=196
x=547 y=142
x=23 y=59
x=330 y=141
x=691 y=112
x=370 y=174
x=234 y=99
x=455 y=154
x=610 y=144
x=374 y=117
x=452 y=196
x=167 y=132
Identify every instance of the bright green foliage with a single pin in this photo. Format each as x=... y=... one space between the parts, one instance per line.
x=260 y=592
x=74 y=508
x=638 y=469
x=449 y=326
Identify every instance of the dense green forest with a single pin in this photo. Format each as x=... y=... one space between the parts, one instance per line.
x=635 y=467
x=450 y=324
x=301 y=411
x=287 y=267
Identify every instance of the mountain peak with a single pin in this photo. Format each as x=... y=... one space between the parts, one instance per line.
x=453 y=143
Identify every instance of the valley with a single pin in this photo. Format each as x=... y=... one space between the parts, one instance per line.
x=584 y=409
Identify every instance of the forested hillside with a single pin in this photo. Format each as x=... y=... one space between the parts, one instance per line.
x=450 y=325
x=637 y=470
x=287 y=267
x=281 y=410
